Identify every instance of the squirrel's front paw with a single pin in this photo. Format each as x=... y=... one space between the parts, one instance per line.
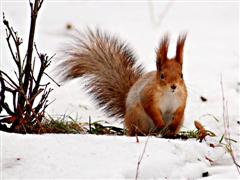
x=169 y=132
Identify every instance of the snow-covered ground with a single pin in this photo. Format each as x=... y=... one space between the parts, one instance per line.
x=102 y=157
x=211 y=50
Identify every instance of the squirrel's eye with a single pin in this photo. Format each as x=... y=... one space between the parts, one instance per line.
x=181 y=75
x=162 y=76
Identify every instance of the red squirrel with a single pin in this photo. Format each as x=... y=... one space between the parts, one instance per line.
x=150 y=103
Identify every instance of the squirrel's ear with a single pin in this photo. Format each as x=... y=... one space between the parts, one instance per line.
x=162 y=52
x=179 y=49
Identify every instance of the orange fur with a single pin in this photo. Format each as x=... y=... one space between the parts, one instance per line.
x=151 y=102
x=154 y=94
x=150 y=106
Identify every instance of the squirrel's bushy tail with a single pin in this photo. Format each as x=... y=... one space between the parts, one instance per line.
x=109 y=65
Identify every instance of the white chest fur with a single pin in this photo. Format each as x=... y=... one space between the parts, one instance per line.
x=168 y=103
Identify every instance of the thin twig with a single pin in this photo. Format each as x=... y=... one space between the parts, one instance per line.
x=140 y=158
x=157 y=20
x=90 y=125
x=40 y=4
x=52 y=79
x=9 y=78
x=226 y=128
x=2 y=97
x=28 y=65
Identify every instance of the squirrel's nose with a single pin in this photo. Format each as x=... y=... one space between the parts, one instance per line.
x=173 y=87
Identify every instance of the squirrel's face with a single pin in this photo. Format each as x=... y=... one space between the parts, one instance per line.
x=170 y=76
x=169 y=71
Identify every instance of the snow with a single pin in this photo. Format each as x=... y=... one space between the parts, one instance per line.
x=211 y=50
x=90 y=156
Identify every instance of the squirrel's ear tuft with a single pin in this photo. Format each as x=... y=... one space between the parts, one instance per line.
x=162 y=51
x=180 y=46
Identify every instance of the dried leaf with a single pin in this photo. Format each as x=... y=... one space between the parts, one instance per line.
x=202 y=132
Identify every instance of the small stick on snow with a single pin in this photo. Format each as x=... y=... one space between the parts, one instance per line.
x=140 y=158
x=90 y=124
x=137 y=139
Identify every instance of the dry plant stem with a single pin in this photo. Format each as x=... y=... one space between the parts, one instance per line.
x=28 y=109
x=2 y=96
x=28 y=79
x=211 y=115
x=137 y=139
x=17 y=41
x=140 y=158
x=227 y=137
x=28 y=66
x=157 y=20
x=90 y=124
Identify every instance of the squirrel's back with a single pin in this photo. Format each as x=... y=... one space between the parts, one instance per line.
x=109 y=65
